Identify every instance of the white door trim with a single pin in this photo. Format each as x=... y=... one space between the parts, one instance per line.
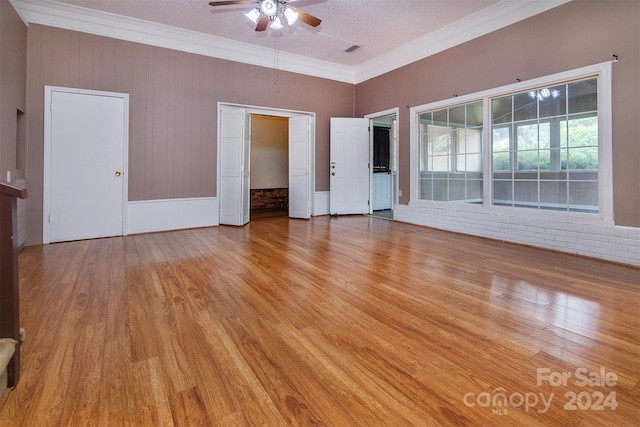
x=46 y=190
x=277 y=112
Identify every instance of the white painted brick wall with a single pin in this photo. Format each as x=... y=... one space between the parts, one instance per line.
x=606 y=242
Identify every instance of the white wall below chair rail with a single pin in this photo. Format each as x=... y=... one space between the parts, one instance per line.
x=321 y=203
x=606 y=242
x=172 y=214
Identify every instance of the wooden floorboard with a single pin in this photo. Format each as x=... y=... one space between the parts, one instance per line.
x=330 y=321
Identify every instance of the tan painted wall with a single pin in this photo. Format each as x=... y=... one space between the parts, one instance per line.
x=13 y=65
x=173 y=108
x=580 y=33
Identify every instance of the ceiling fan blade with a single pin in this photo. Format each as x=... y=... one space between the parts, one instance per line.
x=230 y=2
x=263 y=23
x=305 y=17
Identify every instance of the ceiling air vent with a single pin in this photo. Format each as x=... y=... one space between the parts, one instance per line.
x=352 y=48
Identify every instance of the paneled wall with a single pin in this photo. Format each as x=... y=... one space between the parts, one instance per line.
x=573 y=35
x=13 y=64
x=173 y=108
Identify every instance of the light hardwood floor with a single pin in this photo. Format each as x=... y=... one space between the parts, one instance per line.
x=332 y=321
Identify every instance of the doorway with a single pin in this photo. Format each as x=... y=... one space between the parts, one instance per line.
x=234 y=161
x=269 y=176
x=384 y=171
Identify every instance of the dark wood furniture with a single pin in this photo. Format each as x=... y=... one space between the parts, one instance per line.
x=9 y=300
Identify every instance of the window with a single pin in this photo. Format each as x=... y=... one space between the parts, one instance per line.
x=381 y=149
x=542 y=145
x=450 y=150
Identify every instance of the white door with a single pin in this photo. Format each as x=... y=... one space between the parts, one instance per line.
x=299 y=168
x=381 y=191
x=233 y=180
x=86 y=134
x=349 y=166
x=246 y=170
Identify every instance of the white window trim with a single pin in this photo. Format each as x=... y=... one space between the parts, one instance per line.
x=605 y=180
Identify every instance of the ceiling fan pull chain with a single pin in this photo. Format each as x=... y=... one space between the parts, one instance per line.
x=275 y=60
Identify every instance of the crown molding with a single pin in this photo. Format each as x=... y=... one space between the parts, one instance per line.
x=71 y=17
x=495 y=17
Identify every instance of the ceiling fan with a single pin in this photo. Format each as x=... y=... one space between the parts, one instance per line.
x=271 y=13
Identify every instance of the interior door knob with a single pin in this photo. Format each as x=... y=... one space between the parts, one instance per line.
x=118 y=173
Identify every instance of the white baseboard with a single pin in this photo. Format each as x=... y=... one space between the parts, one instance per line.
x=148 y=216
x=321 y=203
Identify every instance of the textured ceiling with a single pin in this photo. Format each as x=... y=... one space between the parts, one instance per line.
x=378 y=26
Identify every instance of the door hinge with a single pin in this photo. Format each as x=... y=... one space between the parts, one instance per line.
x=368 y=165
x=368 y=202
x=50 y=219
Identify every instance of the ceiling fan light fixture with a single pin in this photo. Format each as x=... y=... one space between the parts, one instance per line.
x=291 y=15
x=269 y=7
x=276 y=24
x=253 y=15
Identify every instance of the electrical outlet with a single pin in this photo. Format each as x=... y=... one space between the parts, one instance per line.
x=9 y=177
x=400 y=193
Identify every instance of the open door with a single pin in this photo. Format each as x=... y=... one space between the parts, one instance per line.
x=299 y=167
x=349 y=179
x=384 y=162
x=234 y=155
x=234 y=167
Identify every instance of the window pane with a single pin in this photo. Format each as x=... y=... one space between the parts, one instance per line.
x=473 y=162
x=473 y=141
x=553 y=193
x=440 y=190
x=426 y=192
x=439 y=140
x=544 y=160
x=502 y=192
x=457 y=116
x=525 y=106
x=527 y=137
x=583 y=194
x=525 y=191
x=441 y=118
x=583 y=96
x=501 y=138
x=501 y=110
x=544 y=135
x=457 y=190
x=527 y=160
x=474 y=190
x=552 y=101
x=583 y=158
x=583 y=132
x=501 y=162
x=474 y=114
x=439 y=164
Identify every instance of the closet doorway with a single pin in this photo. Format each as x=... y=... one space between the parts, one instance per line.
x=235 y=161
x=269 y=181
